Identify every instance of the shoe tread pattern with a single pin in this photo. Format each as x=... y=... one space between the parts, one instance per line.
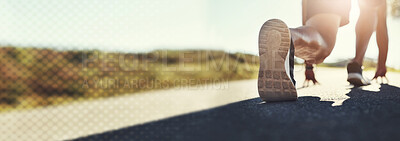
x=274 y=44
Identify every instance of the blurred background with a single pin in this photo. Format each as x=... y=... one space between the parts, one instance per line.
x=53 y=52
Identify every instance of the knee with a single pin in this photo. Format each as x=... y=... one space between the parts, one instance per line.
x=323 y=53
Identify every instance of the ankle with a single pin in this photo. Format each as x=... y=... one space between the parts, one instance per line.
x=360 y=62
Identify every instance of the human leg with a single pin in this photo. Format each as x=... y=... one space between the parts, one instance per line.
x=372 y=18
x=315 y=40
x=321 y=29
x=277 y=44
x=365 y=26
x=382 y=41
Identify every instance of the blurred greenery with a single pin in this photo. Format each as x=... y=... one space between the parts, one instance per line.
x=395 y=8
x=368 y=64
x=31 y=77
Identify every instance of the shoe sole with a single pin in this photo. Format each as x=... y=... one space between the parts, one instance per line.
x=356 y=80
x=274 y=83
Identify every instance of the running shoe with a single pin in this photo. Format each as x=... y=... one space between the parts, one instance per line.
x=355 y=76
x=276 y=50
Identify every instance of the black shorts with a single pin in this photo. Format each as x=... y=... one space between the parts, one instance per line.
x=339 y=7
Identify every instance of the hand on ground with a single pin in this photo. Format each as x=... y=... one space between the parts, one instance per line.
x=380 y=72
x=310 y=76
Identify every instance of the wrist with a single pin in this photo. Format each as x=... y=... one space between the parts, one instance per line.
x=380 y=65
x=381 y=62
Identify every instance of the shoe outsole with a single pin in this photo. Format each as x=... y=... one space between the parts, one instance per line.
x=356 y=82
x=274 y=84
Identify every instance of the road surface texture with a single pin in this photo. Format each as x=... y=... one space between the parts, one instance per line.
x=369 y=113
x=224 y=111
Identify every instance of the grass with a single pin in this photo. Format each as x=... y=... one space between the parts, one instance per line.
x=32 y=77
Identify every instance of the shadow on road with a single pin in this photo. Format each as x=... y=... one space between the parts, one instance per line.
x=367 y=115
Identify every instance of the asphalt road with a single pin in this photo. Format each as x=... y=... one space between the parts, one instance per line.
x=221 y=111
x=330 y=111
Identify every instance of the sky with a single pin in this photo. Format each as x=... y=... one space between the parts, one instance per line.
x=144 y=25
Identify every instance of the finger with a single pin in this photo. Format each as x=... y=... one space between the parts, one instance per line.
x=375 y=77
x=387 y=80
x=305 y=84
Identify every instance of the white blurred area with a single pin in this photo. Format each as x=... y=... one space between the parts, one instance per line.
x=142 y=25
